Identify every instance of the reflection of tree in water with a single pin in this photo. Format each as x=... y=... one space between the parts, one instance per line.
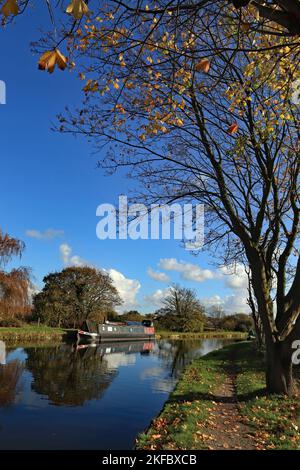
x=178 y=354
x=68 y=377
x=9 y=378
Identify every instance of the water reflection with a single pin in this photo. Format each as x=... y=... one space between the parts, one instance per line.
x=66 y=377
x=88 y=397
x=10 y=375
x=71 y=375
x=175 y=355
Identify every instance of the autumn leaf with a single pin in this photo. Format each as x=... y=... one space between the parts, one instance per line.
x=120 y=108
x=50 y=59
x=178 y=122
x=245 y=27
x=78 y=8
x=10 y=8
x=203 y=66
x=61 y=60
x=91 y=86
x=233 y=128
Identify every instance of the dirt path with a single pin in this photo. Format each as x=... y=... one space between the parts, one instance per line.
x=226 y=427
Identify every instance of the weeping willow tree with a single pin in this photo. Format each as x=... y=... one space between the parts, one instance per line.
x=14 y=284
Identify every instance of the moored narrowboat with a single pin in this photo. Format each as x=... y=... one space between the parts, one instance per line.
x=108 y=331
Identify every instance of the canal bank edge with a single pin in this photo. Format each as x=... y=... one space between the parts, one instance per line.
x=219 y=403
x=34 y=333
x=221 y=334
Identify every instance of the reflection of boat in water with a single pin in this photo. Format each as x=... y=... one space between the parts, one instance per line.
x=143 y=347
x=110 y=331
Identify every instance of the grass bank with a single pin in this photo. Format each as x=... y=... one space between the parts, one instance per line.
x=46 y=333
x=203 y=335
x=33 y=333
x=272 y=422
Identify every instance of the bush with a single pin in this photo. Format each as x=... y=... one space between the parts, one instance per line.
x=10 y=322
x=174 y=323
x=238 y=322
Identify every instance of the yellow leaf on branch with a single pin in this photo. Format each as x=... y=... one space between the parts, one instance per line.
x=78 y=8
x=50 y=59
x=10 y=7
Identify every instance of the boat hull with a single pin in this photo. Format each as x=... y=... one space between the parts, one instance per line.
x=115 y=332
x=96 y=337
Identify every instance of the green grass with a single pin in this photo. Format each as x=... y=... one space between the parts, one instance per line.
x=32 y=333
x=201 y=335
x=273 y=420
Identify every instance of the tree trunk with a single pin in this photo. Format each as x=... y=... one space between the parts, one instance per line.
x=279 y=372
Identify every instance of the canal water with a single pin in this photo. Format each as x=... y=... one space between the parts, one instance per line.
x=65 y=397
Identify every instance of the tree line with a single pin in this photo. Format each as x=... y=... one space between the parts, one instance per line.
x=76 y=294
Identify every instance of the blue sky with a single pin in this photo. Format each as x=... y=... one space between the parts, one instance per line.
x=50 y=181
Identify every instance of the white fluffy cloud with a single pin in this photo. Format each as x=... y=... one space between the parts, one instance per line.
x=158 y=275
x=236 y=303
x=68 y=260
x=233 y=303
x=127 y=288
x=48 y=234
x=33 y=289
x=188 y=271
x=213 y=300
x=235 y=277
x=156 y=298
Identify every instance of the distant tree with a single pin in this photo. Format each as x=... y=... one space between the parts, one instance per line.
x=181 y=310
x=132 y=315
x=237 y=322
x=216 y=313
x=14 y=284
x=75 y=294
x=112 y=316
